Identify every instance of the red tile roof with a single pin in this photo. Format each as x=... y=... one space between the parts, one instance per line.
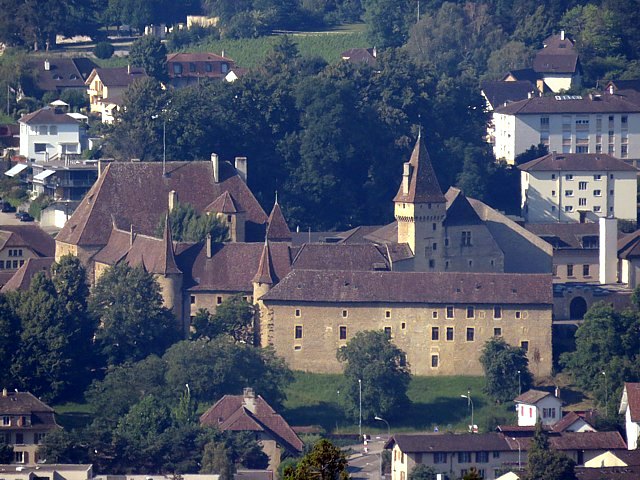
x=30 y=236
x=118 y=76
x=24 y=403
x=531 y=397
x=423 y=183
x=21 y=279
x=63 y=72
x=223 y=204
x=340 y=256
x=265 y=269
x=277 y=228
x=47 y=115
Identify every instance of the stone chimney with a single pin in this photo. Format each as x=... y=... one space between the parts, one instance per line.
x=209 y=246
x=128 y=69
x=249 y=399
x=47 y=65
x=561 y=34
x=406 y=172
x=173 y=200
x=374 y=52
x=216 y=167
x=608 y=250
x=241 y=168
x=611 y=89
x=4 y=392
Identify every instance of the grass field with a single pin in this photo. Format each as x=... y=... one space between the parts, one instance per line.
x=313 y=399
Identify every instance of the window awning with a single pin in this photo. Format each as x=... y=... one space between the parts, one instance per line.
x=43 y=175
x=15 y=170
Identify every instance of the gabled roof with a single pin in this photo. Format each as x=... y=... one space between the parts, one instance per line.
x=117 y=76
x=459 y=210
x=47 y=115
x=560 y=162
x=232 y=412
x=196 y=57
x=360 y=55
x=531 y=397
x=17 y=403
x=63 y=72
x=136 y=193
x=557 y=56
x=21 y=279
x=30 y=236
x=277 y=228
x=499 y=93
x=340 y=256
x=576 y=441
x=631 y=400
x=411 y=287
x=565 y=235
x=567 y=421
x=629 y=246
x=448 y=442
x=603 y=103
x=522 y=74
x=423 y=183
x=223 y=204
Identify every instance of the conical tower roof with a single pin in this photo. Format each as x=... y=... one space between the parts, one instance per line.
x=265 y=268
x=423 y=183
x=277 y=228
x=169 y=264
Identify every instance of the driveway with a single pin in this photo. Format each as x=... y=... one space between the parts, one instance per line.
x=366 y=465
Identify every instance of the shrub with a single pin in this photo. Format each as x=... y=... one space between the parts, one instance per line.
x=103 y=50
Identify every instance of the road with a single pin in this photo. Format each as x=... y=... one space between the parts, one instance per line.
x=366 y=465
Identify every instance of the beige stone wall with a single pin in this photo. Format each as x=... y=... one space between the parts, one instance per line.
x=482 y=255
x=171 y=291
x=411 y=328
x=12 y=258
x=210 y=300
x=420 y=225
x=271 y=450
x=65 y=249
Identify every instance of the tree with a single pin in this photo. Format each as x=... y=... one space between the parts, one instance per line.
x=187 y=225
x=6 y=453
x=233 y=317
x=134 y=323
x=531 y=153
x=506 y=370
x=546 y=463
x=215 y=459
x=377 y=366
x=387 y=21
x=150 y=53
x=422 y=472
x=9 y=338
x=472 y=474
x=324 y=462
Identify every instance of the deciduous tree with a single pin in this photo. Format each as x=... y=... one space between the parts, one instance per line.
x=506 y=370
x=150 y=53
x=234 y=317
x=422 y=472
x=324 y=462
x=546 y=463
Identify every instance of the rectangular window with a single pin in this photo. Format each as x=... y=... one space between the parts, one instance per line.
x=466 y=239
x=450 y=312
x=387 y=331
x=464 y=457
x=208 y=67
x=387 y=314
x=497 y=311
x=582 y=185
x=624 y=120
x=53 y=130
x=40 y=147
x=582 y=202
x=193 y=299
x=15 y=264
x=42 y=130
x=1 y=264
x=345 y=314
x=518 y=314
x=568 y=208
x=624 y=151
x=553 y=193
x=435 y=333
x=471 y=312
x=218 y=300
x=434 y=361
x=497 y=332
x=569 y=270
x=192 y=67
x=470 y=334
x=597 y=177
x=582 y=148
x=482 y=457
x=597 y=193
x=554 y=270
x=432 y=263
x=18 y=457
x=496 y=454
x=297 y=312
x=568 y=193
x=544 y=123
x=343 y=333
x=449 y=334
x=524 y=345
x=596 y=208
x=434 y=314
x=177 y=68
x=585 y=270
x=6 y=421
x=568 y=176
x=298 y=332
x=439 y=457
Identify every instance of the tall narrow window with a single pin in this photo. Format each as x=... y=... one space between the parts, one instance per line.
x=298 y=331
x=343 y=333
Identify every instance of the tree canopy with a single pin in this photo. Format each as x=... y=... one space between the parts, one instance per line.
x=234 y=317
x=324 y=462
x=506 y=370
x=187 y=225
x=546 y=463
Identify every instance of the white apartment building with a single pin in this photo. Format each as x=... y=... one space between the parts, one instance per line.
x=48 y=133
x=598 y=123
x=569 y=187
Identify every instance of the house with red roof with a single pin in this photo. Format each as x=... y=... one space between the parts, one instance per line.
x=189 y=68
x=251 y=413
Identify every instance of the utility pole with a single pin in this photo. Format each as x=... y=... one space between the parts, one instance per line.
x=360 y=419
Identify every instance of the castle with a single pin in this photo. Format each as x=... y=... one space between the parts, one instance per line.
x=448 y=274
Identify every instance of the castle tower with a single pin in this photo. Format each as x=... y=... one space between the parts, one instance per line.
x=277 y=228
x=227 y=211
x=262 y=282
x=420 y=210
x=170 y=277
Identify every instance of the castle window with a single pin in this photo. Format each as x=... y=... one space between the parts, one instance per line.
x=297 y=347
x=497 y=311
x=471 y=312
x=450 y=311
x=524 y=345
x=446 y=242
x=471 y=334
x=435 y=226
x=298 y=331
x=435 y=333
x=434 y=246
x=449 y=334
x=432 y=263
x=298 y=312
x=518 y=314
x=569 y=270
x=193 y=299
x=497 y=332
x=345 y=314
x=434 y=362
x=470 y=263
x=446 y=265
x=585 y=270
x=434 y=314
x=387 y=314
x=343 y=333
x=229 y=218
x=466 y=238
x=403 y=325
x=387 y=331
x=218 y=300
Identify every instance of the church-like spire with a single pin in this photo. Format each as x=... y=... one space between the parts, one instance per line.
x=169 y=265
x=265 y=272
x=277 y=228
x=420 y=184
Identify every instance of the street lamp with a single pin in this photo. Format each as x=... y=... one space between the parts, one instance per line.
x=360 y=418
x=519 y=453
x=606 y=393
x=469 y=403
x=388 y=428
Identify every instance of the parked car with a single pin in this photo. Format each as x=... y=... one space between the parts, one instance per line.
x=7 y=207
x=25 y=217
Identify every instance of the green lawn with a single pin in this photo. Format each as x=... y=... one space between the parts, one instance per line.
x=313 y=399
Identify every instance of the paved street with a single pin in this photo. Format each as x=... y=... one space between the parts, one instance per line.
x=367 y=465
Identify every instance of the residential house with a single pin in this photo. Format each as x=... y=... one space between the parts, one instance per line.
x=9 y=137
x=535 y=406
x=630 y=408
x=56 y=74
x=47 y=471
x=568 y=187
x=189 y=68
x=21 y=279
x=556 y=66
x=25 y=423
x=106 y=87
x=50 y=133
x=251 y=413
x=64 y=180
x=597 y=123
x=629 y=259
x=368 y=56
x=490 y=453
x=498 y=93
x=18 y=244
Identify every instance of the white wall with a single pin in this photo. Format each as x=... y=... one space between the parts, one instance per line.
x=632 y=429
x=557 y=82
x=528 y=414
x=29 y=136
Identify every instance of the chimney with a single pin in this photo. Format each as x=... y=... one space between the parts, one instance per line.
x=557 y=392
x=608 y=251
x=47 y=65
x=216 y=167
x=611 y=89
x=99 y=168
x=173 y=200
x=405 y=178
x=375 y=52
x=131 y=235
x=249 y=399
x=561 y=34
x=529 y=95
x=222 y=54
x=209 y=247
x=4 y=392
x=241 y=167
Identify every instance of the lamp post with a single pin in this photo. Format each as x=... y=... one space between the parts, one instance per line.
x=519 y=384
x=469 y=403
x=606 y=393
x=164 y=140
x=360 y=417
x=519 y=452
x=338 y=407
x=388 y=428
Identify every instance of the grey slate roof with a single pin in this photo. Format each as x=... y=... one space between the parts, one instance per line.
x=604 y=103
x=47 y=115
x=499 y=92
x=562 y=162
x=423 y=183
x=449 y=442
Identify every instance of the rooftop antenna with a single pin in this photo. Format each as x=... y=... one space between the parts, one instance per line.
x=419 y=126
